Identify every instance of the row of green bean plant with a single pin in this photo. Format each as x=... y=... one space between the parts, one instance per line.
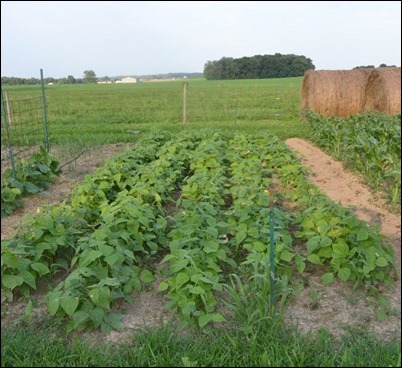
x=332 y=236
x=197 y=204
x=32 y=175
x=101 y=239
x=255 y=284
x=196 y=244
x=368 y=143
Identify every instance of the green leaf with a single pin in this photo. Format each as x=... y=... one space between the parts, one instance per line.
x=69 y=304
x=367 y=269
x=189 y=309
x=106 y=328
x=147 y=276
x=362 y=235
x=9 y=259
x=37 y=233
x=101 y=297
x=106 y=250
x=40 y=268
x=204 y=319
x=325 y=252
x=167 y=258
x=88 y=256
x=211 y=246
x=197 y=290
x=344 y=273
x=109 y=281
x=313 y=243
x=115 y=321
x=79 y=318
x=157 y=197
x=308 y=224
x=325 y=241
x=96 y=315
x=181 y=279
x=43 y=168
x=300 y=263
x=112 y=259
x=340 y=248
x=313 y=258
x=31 y=188
x=11 y=281
x=381 y=262
x=327 y=278
x=53 y=298
x=240 y=236
x=178 y=265
x=136 y=285
x=188 y=363
x=286 y=256
x=163 y=286
x=29 y=278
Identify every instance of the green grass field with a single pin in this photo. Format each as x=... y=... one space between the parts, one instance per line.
x=81 y=116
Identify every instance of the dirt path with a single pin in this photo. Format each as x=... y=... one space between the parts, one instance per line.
x=337 y=306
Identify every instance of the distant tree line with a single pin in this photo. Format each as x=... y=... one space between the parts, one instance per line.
x=88 y=77
x=13 y=81
x=372 y=66
x=258 y=66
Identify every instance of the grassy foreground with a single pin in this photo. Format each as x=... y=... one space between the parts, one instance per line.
x=272 y=344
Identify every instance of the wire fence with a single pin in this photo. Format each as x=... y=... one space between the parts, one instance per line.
x=23 y=128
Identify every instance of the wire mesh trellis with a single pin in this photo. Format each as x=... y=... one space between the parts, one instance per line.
x=23 y=127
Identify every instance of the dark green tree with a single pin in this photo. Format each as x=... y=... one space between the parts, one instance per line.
x=89 y=76
x=71 y=79
x=258 y=66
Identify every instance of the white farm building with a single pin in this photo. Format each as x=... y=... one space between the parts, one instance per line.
x=129 y=80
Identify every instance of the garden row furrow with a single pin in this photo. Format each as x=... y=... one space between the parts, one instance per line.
x=204 y=203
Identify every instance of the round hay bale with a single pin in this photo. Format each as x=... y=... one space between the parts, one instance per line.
x=334 y=92
x=383 y=91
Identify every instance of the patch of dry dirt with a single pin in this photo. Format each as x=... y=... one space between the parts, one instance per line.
x=312 y=306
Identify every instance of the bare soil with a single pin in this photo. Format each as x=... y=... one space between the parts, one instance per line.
x=312 y=306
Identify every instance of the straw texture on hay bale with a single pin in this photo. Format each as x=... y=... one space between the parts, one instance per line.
x=383 y=91
x=334 y=92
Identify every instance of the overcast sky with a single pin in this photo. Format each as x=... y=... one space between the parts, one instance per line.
x=152 y=37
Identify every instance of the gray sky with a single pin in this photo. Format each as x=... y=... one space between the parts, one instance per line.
x=152 y=37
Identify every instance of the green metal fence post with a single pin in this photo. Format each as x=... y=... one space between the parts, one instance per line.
x=272 y=256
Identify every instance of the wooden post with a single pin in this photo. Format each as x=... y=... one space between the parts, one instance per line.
x=185 y=85
x=7 y=100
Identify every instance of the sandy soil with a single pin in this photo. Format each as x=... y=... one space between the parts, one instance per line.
x=312 y=305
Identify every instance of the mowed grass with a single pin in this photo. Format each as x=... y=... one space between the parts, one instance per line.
x=87 y=115
x=272 y=345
